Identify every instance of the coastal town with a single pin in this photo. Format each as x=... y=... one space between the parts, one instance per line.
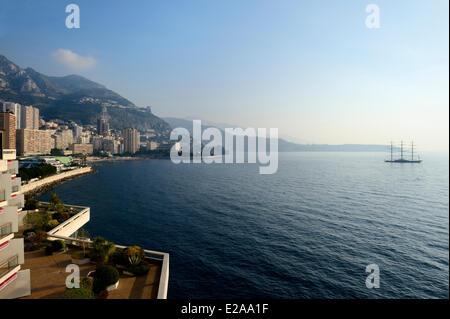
x=44 y=250
x=32 y=136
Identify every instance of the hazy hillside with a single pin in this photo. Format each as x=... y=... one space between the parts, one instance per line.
x=285 y=146
x=74 y=98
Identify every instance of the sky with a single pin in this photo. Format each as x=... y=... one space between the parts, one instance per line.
x=313 y=69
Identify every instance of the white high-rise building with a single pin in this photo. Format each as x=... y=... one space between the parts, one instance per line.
x=14 y=282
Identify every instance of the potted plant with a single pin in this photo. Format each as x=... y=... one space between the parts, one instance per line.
x=105 y=278
x=101 y=250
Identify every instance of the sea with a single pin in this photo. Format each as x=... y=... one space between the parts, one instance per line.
x=308 y=231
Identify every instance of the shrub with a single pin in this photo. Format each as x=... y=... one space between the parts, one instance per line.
x=40 y=236
x=42 y=170
x=104 y=276
x=30 y=202
x=134 y=255
x=87 y=283
x=52 y=223
x=79 y=293
x=56 y=204
x=139 y=270
x=54 y=246
x=101 y=249
x=37 y=221
x=61 y=217
x=117 y=258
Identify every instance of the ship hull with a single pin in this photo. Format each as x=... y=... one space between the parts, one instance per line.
x=403 y=161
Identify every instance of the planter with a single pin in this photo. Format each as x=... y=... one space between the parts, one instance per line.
x=127 y=273
x=113 y=286
x=81 y=261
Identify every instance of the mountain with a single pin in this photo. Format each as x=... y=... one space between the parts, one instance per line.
x=283 y=145
x=74 y=97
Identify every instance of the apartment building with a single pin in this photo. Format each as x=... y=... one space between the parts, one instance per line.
x=63 y=139
x=85 y=149
x=33 y=142
x=14 y=281
x=8 y=126
x=29 y=118
x=13 y=108
x=131 y=139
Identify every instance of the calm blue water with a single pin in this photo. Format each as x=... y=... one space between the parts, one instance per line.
x=308 y=231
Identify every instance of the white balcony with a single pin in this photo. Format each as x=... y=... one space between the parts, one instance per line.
x=17 y=200
x=13 y=248
x=16 y=184
x=13 y=167
x=8 y=268
x=9 y=154
x=3 y=165
x=9 y=215
x=16 y=286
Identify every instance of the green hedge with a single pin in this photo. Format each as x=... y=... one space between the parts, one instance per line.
x=43 y=170
x=79 y=293
x=104 y=276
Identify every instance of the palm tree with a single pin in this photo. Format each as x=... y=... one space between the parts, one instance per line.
x=102 y=249
x=83 y=234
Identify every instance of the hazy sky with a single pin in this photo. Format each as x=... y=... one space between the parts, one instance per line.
x=311 y=68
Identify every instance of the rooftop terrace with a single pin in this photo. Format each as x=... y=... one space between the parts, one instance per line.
x=48 y=277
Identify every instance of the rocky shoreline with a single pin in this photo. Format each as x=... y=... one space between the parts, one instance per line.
x=44 y=188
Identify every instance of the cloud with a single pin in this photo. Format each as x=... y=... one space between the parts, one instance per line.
x=73 y=60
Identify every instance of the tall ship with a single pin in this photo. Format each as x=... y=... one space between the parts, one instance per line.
x=405 y=157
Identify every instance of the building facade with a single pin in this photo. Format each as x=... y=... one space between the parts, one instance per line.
x=102 y=127
x=29 y=118
x=8 y=126
x=13 y=108
x=14 y=281
x=85 y=149
x=63 y=139
x=34 y=142
x=131 y=139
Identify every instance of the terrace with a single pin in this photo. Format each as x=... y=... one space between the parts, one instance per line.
x=142 y=274
x=48 y=277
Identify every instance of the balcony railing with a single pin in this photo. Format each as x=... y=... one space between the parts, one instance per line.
x=5 y=230
x=8 y=154
x=164 y=257
x=8 y=265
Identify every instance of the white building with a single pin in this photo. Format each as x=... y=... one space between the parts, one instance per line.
x=14 y=282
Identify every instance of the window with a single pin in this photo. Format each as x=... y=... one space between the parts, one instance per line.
x=2 y=195
x=8 y=265
x=5 y=229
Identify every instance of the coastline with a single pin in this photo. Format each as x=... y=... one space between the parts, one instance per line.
x=50 y=182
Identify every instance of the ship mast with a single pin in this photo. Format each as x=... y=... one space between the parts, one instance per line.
x=401 y=150
x=412 y=151
x=391 y=152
